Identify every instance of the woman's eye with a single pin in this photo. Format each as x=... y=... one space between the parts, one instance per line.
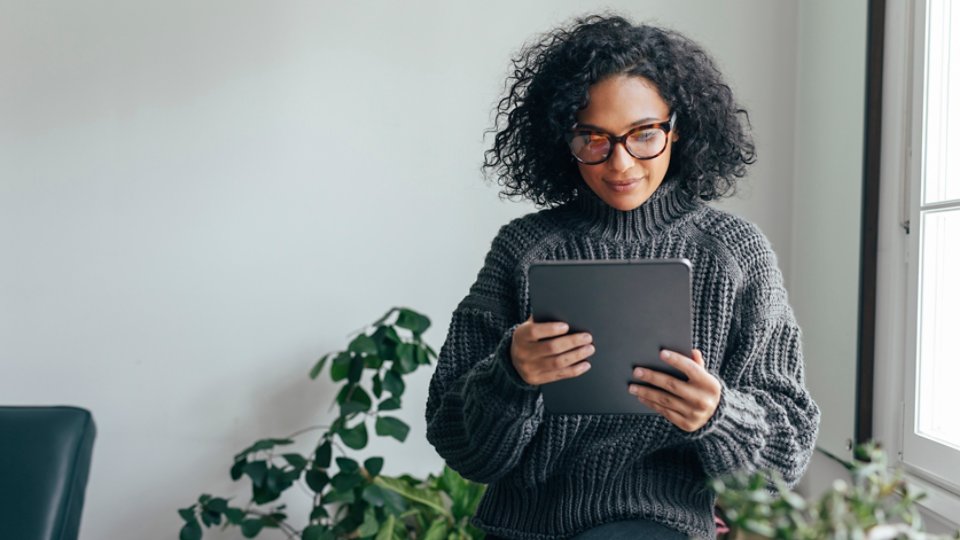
x=645 y=135
x=592 y=140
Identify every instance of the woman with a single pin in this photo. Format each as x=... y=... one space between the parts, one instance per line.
x=622 y=132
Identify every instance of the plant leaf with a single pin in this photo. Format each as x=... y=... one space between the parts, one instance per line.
x=369 y=527
x=421 y=356
x=188 y=513
x=347 y=465
x=262 y=444
x=405 y=360
x=191 y=531
x=373 y=465
x=345 y=481
x=429 y=498
x=257 y=471
x=322 y=455
x=373 y=494
x=340 y=367
x=334 y=496
x=387 y=341
x=438 y=529
x=372 y=361
x=235 y=515
x=318 y=367
x=413 y=321
x=356 y=369
x=356 y=400
x=386 y=529
x=296 y=461
x=318 y=512
x=236 y=471
x=389 y=404
x=362 y=344
x=356 y=437
x=377 y=385
x=393 y=427
x=393 y=383
x=317 y=532
x=251 y=527
x=316 y=480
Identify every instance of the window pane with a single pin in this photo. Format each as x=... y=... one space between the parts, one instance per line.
x=938 y=398
x=942 y=163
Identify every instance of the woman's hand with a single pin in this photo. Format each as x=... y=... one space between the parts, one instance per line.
x=686 y=404
x=540 y=357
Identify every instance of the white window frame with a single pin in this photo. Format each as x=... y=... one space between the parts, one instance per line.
x=898 y=251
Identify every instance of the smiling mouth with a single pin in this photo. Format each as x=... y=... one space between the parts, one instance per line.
x=622 y=183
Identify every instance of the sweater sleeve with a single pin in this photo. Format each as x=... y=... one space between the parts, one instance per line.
x=766 y=419
x=480 y=414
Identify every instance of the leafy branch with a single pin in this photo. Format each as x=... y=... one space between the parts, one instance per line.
x=350 y=499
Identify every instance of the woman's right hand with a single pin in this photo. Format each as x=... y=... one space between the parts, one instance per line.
x=542 y=353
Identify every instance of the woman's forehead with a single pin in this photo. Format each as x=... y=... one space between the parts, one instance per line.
x=620 y=102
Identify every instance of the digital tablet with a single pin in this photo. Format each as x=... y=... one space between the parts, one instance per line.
x=633 y=308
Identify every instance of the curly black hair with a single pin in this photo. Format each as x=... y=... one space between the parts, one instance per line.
x=550 y=83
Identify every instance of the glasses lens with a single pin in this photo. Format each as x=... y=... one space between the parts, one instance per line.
x=590 y=147
x=646 y=143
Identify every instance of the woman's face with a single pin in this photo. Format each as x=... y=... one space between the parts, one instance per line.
x=617 y=104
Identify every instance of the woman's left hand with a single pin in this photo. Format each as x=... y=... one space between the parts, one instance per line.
x=687 y=404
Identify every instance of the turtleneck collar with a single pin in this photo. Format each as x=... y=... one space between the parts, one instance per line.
x=667 y=205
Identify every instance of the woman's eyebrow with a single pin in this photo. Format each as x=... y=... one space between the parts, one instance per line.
x=642 y=121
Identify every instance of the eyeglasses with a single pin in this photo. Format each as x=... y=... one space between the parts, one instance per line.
x=642 y=142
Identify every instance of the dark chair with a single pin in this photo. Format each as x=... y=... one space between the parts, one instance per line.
x=44 y=464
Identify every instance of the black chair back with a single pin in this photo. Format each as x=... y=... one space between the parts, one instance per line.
x=44 y=465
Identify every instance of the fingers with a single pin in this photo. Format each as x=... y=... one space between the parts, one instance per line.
x=570 y=357
x=658 y=400
x=698 y=358
x=568 y=372
x=560 y=345
x=665 y=381
x=540 y=331
x=686 y=365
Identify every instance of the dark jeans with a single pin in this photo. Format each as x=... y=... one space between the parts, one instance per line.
x=634 y=529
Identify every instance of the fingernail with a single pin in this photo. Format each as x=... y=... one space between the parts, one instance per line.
x=633 y=389
x=638 y=373
x=586 y=367
x=665 y=354
x=564 y=327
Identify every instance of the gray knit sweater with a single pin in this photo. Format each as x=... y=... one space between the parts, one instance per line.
x=554 y=475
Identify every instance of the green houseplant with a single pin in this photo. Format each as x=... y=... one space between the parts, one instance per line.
x=878 y=505
x=350 y=499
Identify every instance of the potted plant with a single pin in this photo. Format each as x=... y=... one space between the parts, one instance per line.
x=349 y=499
x=878 y=505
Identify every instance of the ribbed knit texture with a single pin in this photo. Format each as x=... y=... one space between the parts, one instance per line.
x=552 y=476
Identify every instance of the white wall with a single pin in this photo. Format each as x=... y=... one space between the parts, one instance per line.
x=825 y=271
x=199 y=198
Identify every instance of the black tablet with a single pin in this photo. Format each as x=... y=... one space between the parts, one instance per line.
x=633 y=308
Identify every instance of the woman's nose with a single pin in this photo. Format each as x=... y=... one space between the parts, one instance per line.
x=620 y=159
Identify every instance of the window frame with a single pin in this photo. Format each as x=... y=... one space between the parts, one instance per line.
x=918 y=452
x=902 y=86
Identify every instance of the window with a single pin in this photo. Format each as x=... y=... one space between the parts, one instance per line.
x=931 y=420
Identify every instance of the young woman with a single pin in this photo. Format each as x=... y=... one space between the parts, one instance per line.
x=621 y=133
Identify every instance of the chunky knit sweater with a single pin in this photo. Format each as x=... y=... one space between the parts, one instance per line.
x=552 y=476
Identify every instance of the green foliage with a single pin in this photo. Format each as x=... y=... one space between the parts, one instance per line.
x=350 y=499
x=879 y=504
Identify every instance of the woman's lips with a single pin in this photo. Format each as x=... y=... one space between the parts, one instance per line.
x=621 y=185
